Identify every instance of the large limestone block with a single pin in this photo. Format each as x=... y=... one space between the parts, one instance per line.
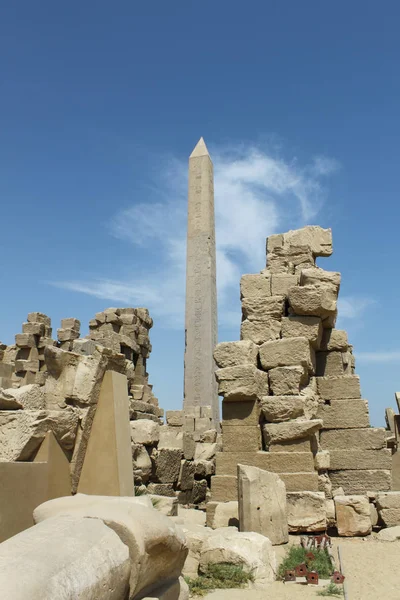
x=334 y=339
x=205 y=451
x=320 y=277
x=300 y=445
x=281 y=432
x=318 y=239
x=338 y=388
x=244 y=382
x=313 y=300
x=251 y=550
x=372 y=438
x=249 y=438
x=276 y=462
x=241 y=413
x=388 y=505
x=107 y=466
x=222 y=514
x=68 y=558
x=360 y=459
x=353 y=515
x=157 y=548
x=360 y=482
x=22 y=432
x=232 y=354
x=333 y=364
x=262 y=503
x=281 y=282
x=282 y=408
x=29 y=397
x=195 y=535
x=287 y=352
x=260 y=331
x=141 y=462
x=306 y=512
x=145 y=432
x=344 y=414
x=224 y=488
x=259 y=309
x=286 y=380
x=168 y=464
x=256 y=285
x=175 y=418
x=170 y=437
x=302 y=326
x=391 y=534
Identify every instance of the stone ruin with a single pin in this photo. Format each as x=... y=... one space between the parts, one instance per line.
x=291 y=399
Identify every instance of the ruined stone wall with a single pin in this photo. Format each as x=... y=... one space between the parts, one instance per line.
x=291 y=399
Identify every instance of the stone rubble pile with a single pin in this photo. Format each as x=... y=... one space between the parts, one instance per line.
x=292 y=403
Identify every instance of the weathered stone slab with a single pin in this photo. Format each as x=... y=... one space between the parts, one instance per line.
x=282 y=462
x=205 y=451
x=286 y=380
x=353 y=515
x=260 y=331
x=344 y=414
x=145 y=432
x=360 y=459
x=372 y=438
x=282 y=282
x=287 y=352
x=388 y=505
x=282 y=408
x=224 y=487
x=232 y=354
x=299 y=445
x=360 y=482
x=222 y=514
x=170 y=437
x=255 y=286
x=338 y=388
x=313 y=300
x=282 y=432
x=333 y=364
x=262 y=503
x=248 y=437
x=65 y=558
x=306 y=512
x=303 y=326
x=241 y=413
x=168 y=464
x=259 y=309
x=174 y=418
x=320 y=277
x=241 y=383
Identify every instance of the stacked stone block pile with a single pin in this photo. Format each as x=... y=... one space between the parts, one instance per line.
x=292 y=403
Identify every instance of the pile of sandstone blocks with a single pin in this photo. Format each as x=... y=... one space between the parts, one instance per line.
x=291 y=400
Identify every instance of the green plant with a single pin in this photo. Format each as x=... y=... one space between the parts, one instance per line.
x=297 y=555
x=219 y=576
x=331 y=590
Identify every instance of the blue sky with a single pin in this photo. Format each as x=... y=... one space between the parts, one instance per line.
x=101 y=104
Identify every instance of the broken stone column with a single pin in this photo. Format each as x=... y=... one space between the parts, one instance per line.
x=262 y=504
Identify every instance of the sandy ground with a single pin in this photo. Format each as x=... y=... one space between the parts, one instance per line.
x=370 y=568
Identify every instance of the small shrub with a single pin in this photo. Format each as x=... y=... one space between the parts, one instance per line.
x=296 y=555
x=331 y=590
x=219 y=576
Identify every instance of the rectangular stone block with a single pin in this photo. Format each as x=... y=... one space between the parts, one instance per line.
x=280 y=283
x=259 y=309
x=300 y=445
x=175 y=418
x=344 y=414
x=25 y=340
x=360 y=459
x=255 y=286
x=232 y=354
x=242 y=383
x=302 y=326
x=370 y=438
x=333 y=364
x=248 y=438
x=360 y=482
x=260 y=331
x=334 y=339
x=287 y=352
x=224 y=488
x=240 y=413
x=33 y=328
x=338 y=388
x=282 y=462
x=300 y=482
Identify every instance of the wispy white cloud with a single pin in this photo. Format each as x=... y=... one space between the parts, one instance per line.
x=256 y=194
x=353 y=307
x=378 y=357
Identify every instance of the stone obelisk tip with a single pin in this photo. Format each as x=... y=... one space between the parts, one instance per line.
x=200 y=149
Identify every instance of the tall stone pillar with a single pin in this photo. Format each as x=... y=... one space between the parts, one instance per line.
x=201 y=291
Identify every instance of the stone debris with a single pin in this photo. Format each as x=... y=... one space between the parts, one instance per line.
x=353 y=515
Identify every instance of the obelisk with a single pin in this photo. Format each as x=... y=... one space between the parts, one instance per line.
x=201 y=290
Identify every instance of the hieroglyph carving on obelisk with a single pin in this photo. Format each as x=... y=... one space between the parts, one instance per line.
x=201 y=289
